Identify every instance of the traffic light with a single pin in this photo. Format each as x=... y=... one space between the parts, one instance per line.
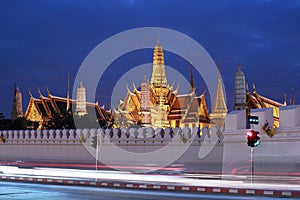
x=94 y=142
x=253 y=138
x=253 y=119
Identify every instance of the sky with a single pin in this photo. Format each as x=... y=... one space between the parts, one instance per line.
x=42 y=41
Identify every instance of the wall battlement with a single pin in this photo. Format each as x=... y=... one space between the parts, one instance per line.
x=125 y=135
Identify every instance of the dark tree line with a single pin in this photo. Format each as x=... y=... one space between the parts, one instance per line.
x=66 y=120
x=59 y=120
x=18 y=124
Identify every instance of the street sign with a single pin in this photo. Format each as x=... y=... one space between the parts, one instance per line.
x=253 y=119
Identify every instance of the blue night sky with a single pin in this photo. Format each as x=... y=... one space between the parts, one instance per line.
x=42 y=40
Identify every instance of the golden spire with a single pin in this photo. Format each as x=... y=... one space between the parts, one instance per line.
x=158 y=78
x=219 y=103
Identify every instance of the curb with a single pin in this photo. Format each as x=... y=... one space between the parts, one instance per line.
x=124 y=185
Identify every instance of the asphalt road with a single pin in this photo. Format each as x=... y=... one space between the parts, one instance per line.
x=27 y=191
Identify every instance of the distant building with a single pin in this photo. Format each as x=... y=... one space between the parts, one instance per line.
x=17 y=108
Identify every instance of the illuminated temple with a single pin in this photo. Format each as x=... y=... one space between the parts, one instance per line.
x=155 y=104
x=42 y=109
x=158 y=104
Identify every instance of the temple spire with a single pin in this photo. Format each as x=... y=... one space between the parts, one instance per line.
x=219 y=103
x=192 y=86
x=81 y=100
x=219 y=109
x=68 y=94
x=284 y=102
x=293 y=96
x=158 y=79
x=17 y=109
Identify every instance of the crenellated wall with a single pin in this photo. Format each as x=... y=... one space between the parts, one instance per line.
x=75 y=145
x=207 y=149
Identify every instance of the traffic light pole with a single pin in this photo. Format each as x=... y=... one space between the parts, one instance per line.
x=252 y=160
x=252 y=165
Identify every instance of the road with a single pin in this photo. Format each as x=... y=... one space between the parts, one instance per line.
x=26 y=191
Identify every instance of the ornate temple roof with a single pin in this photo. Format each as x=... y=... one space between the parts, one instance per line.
x=44 y=108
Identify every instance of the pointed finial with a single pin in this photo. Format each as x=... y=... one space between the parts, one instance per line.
x=177 y=87
x=192 y=85
x=247 y=87
x=284 y=102
x=40 y=92
x=239 y=68
x=219 y=70
x=134 y=88
x=68 y=83
x=203 y=92
x=15 y=88
x=158 y=40
x=173 y=84
x=191 y=56
x=293 y=95
x=29 y=93
x=253 y=86
x=81 y=84
x=68 y=93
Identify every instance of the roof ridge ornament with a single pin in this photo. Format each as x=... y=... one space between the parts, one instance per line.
x=41 y=95
x=30 y=94
x=253 y=86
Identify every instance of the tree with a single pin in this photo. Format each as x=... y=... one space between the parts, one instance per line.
x=23 y=124
x=61 y=120
x=4 y=123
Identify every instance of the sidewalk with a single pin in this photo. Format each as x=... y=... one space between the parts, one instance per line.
x=203 y=186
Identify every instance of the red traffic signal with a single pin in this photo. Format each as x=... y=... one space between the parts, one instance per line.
x=253 y=138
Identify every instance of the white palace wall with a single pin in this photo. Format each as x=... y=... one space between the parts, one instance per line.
x=68 y=146
x=207 y=150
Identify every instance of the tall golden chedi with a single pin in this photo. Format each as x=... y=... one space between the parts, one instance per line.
x=166 y=107
x=17 y=109
x=219 y=109
x=159 y=86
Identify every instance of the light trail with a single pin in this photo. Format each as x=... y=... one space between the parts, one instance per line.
x=139 y=178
